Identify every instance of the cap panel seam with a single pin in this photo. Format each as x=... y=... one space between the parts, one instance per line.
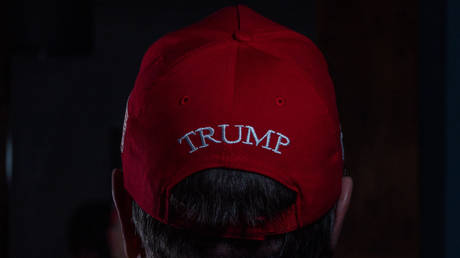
x=232 y=109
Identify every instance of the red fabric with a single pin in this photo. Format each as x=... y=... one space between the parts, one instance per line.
x=238 y=68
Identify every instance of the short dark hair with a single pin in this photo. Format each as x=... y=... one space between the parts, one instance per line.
x=218 y=197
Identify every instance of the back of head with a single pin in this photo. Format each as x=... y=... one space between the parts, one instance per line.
x=215 y=198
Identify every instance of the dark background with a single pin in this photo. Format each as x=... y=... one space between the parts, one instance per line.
x=66 y=68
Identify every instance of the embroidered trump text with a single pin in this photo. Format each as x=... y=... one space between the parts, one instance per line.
x=246 y=135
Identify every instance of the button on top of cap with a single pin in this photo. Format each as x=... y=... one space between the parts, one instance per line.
x=241 y=36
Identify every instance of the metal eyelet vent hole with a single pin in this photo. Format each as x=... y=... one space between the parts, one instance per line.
x=184 y=100
x=280 y=101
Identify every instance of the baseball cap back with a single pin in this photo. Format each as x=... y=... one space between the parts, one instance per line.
x=234 y=90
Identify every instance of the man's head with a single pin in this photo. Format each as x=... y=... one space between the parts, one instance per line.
x=231 y=145
x=219 y=196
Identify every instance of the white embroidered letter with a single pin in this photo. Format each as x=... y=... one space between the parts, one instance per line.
x=279 y=142
x=252 y=132
x=206 y=136
x=187 y=138
x=224 y=138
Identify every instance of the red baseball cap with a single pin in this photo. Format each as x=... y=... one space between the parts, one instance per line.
x=234 y=90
